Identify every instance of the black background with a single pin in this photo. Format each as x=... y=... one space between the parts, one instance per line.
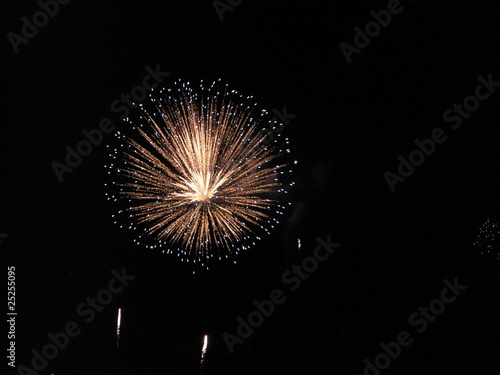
x=353 y=120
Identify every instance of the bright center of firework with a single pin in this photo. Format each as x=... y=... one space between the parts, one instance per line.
x=200 y=188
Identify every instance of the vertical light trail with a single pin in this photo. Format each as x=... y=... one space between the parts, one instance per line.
x=298 y=244
x=204 y=351
x=118 y=326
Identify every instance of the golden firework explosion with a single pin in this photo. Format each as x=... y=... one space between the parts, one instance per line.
x=197 y=173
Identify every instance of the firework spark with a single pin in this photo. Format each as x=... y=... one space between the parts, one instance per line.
x=197 y=174
x=488 y=241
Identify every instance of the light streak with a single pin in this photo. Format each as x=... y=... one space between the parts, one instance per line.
x=118 y=327
x=204 y=351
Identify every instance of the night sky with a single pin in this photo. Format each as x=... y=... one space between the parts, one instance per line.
x=352 y=122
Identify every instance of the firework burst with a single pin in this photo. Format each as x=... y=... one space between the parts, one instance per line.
x=196 y=173
x=488 y=241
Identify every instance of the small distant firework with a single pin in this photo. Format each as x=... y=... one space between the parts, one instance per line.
x=488 y=241
x=196 y=174
x=204 y=351
x=298 y=244
x=118 y=327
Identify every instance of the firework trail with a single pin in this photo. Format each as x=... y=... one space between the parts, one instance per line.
x=204 y=351
x=197 y=174
x=118 y=327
